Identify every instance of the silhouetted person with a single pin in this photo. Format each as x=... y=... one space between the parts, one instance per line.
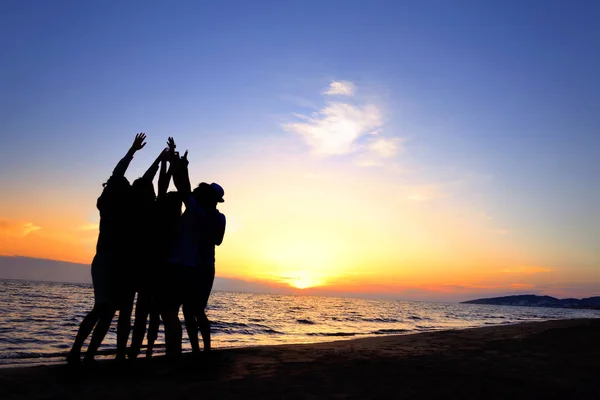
x=211 y=229
x=170 y=291
x=168 y=216
x=142 y=265
x=114 y=205
x=202 y=228
x=156 y=236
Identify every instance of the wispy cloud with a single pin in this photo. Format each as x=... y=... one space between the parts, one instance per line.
x=346 y=127
x=17 y=229
x=376 y=150
x=88 y=227
x=526 y=270
x=334 y=129
x=521 y=286
x=340 y=88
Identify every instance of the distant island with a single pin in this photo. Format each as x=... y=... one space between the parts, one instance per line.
x=532 y=300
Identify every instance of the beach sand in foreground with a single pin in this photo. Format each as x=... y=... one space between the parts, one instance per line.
x=553 y=359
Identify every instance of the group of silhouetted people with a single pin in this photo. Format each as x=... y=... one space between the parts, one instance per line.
x=147 y=246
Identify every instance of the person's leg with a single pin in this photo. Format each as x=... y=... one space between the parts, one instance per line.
x=191 y=326
x=101 y=299
x=172 y=331
x=105 y=316
x=142 y=309
x=86 y=327
x=152 y=332
x=206 y=280
x=171 y=300
x=204 y=326
x=124 y=325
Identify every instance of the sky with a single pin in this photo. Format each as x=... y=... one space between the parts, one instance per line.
x=422 y=150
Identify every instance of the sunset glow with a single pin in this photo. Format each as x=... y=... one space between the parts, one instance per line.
x=303 y=280
x=432 y=158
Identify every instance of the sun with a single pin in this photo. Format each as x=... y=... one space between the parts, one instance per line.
x=303 y=280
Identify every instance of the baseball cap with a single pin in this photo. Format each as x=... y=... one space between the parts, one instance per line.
x=219 y=192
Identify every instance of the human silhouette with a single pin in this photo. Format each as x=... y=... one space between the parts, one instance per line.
x=169 y=295
x=168 y=216
x=143 y=264
x=202 y=228
x=159 y=227
x=110 y=292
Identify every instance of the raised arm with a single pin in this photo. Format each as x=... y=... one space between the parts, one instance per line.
x=151 y=172
x=164 y=177
x=181 y=177
x=138 y=144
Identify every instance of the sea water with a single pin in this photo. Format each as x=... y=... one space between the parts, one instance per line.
x=39 y=320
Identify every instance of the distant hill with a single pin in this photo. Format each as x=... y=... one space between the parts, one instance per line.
x=532 y=300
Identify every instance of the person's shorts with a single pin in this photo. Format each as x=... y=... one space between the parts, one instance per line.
x=168 y=291
x=101 y=279
x=111 y=285
x=198 y=283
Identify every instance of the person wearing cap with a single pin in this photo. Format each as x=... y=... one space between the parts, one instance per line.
x=202 y=227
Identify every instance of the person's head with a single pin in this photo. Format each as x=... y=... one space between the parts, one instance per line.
x=143 y=191
x=117 y=187
x=219 y=192
x=116 y=195
x=203 y=194
x=208 y=195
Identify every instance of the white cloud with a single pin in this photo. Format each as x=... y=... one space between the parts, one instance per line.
x=340 y=88
x=347 y=127
x=335 y=128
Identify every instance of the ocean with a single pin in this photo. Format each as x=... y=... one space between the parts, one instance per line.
x=39 y=320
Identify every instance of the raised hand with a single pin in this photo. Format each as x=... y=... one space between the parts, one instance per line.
x=165 y=154
x=171 y=144
x=184 y=160
x=138 y=142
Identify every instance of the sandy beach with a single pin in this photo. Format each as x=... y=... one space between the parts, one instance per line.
x=553 y=359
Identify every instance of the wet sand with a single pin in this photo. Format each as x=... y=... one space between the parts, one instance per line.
x=554 y=359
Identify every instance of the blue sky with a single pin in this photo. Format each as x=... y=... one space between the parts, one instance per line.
x=498 y=99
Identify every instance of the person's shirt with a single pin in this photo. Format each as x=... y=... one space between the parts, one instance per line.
x=213 y=230
x=168 y=219
x=200 y=230
x=114 y=206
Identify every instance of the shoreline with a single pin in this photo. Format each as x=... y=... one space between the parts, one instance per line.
x=107 y=355
x=549 y=359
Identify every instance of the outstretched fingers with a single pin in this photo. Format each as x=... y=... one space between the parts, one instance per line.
x=171 y=143
x=138 y=142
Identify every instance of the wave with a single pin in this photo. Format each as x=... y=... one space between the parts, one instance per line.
x=389 y=331
x=239 y=328
x=333 y=334
x=42 y=319
x=381 y=320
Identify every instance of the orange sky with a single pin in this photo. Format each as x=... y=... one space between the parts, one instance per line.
x=331 y=201
x=306 y=223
